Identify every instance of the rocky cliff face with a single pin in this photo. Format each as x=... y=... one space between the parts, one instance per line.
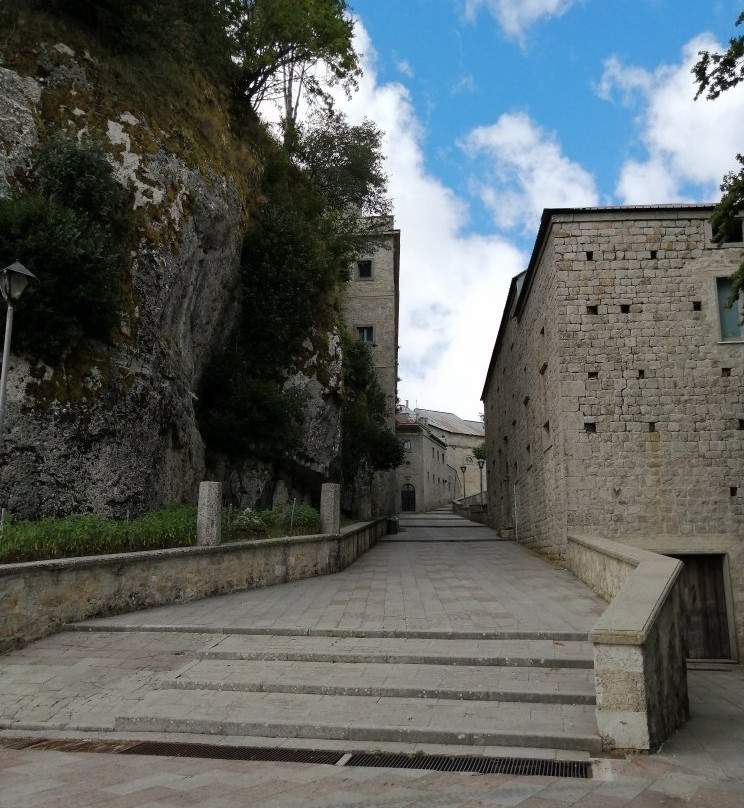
x=112 y=429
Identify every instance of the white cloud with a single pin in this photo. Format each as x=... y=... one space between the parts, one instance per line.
x=524 y=171
x=404 y=68
x=515 y=16
x=453 y=284
x=689 y=145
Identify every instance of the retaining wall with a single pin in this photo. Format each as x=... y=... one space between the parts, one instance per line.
x=639 y=649
x=38 y=598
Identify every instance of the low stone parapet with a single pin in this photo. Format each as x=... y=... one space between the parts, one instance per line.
x=38 y=598
x=639 y=650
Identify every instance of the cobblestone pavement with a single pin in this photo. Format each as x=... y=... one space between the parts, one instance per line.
x=405 y=585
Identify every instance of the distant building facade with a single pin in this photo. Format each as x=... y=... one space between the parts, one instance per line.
x=437 y=446
x=371 y=309
x=614 y=403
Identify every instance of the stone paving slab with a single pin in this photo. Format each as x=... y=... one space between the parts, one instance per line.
x=407 y=587
x=557 y=685
x=364 y=718
x=516 y=653
x=686 y=773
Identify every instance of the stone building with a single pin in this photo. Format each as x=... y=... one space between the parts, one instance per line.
x=425 y=481
x=462 y=438
x=437 y=446
x=614 y=403
x=371 y=312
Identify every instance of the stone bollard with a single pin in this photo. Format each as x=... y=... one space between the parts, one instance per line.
x=209 y=516
x=330 y=508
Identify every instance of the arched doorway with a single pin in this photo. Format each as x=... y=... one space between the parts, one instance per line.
x=408 y=498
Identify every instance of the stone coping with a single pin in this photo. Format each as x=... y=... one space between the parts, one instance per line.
x=633 y=610
x=105 y=559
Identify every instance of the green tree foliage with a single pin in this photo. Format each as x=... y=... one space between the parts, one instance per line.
x=717 y=72
x=69 y=229
x=368 y=444
x=297 y=250
x=479 y=452
x=276 y=44
x=714 y=74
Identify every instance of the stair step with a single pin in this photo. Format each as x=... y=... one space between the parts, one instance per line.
x=364 y=718
x=404 y=650
x=466 y=682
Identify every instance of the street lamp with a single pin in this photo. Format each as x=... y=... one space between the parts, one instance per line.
x=480 y=466
x=462 y=469
x=13 y=280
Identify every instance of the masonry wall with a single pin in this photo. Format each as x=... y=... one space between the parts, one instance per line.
x=524 y=428
x=618 y=349
x=426 y=469
x=374 y=302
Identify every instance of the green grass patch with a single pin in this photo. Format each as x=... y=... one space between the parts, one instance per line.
x=86 y=535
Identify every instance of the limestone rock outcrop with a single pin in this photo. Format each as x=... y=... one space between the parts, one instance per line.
x=112 y=428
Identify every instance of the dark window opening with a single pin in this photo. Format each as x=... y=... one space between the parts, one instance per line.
x=365 y=333
x=641 y=374
x=590 y=426
x=725 y=372
x=730 y=232
x=590 y=255
x=625 y=308
x=654 y=253
x=652 y=426
x=592 y=310
x=592 y=374
x=364 y=269
x=733 y=490
x=741 y=423
x=697 y=305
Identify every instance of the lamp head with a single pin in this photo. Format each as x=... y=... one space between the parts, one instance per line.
x=13 y=280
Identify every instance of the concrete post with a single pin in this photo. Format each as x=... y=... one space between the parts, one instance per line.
x=330 y=508
x=209 y=516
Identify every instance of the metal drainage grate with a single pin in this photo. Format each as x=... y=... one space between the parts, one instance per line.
x=478 y=765
x=203 y=750
x=440 y=763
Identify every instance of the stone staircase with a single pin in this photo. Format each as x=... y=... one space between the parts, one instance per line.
x=528 y=691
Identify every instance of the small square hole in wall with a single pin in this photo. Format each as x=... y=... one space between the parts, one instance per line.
x=725 y=372
x=590 y=426
x=590 y=255
x=526 y=400
x=625 y=308
x=697 y=305
x=592 y=374
x=733 y=491
x=652 y=426
x=592 y=310
x=542 y=331
x=741 y=423
x=641 y=374
x=654 y=253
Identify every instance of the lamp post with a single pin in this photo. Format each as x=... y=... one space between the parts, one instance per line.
x=480 y=466
x=462 y=469
x=13 y=280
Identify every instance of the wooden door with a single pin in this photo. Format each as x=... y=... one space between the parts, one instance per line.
x=408 y=498
x=704 y=604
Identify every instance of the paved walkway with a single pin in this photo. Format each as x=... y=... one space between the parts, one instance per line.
x=466 y=585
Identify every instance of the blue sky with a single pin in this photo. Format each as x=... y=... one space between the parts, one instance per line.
x=496 y=109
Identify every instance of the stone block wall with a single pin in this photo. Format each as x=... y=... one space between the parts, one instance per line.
x=613 y=404
x=37 y=599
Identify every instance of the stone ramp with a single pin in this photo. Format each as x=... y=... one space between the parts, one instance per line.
x=458 y=646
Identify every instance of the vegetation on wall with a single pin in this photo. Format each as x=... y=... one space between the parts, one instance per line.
x=368 y=445
x=70 y=228
x=714 y=74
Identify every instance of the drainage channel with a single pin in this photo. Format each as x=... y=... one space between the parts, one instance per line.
x=440 y=763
